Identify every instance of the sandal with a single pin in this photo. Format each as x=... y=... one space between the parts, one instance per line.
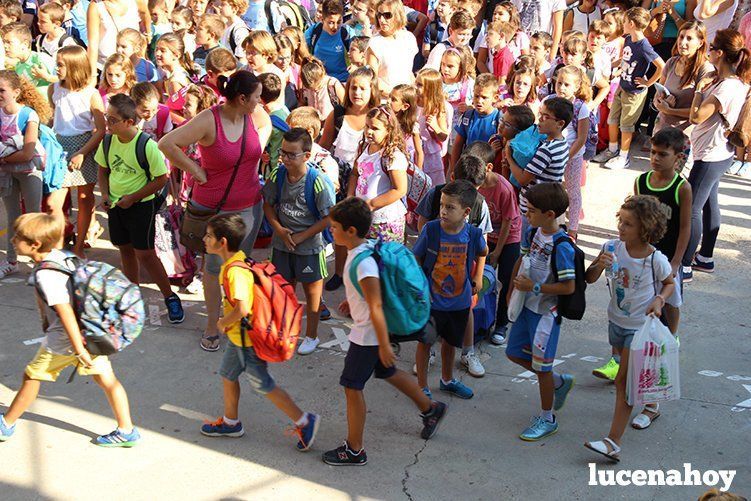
x=606 y=447
x=643 y=420
x=210 y=343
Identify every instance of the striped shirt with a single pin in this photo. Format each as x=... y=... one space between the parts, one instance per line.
x=547 y=166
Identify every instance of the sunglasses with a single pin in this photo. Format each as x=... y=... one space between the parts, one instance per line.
x=385 y=15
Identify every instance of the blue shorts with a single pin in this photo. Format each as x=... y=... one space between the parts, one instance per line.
x=534 y=337
x=361 y=363
x=237 y=360
x=620 y=337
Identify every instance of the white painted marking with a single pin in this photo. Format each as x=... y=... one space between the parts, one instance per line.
x=737 y=409
x=739 y=378
x=154 y=315
x=36 y=340
x=529 y=374
x=590 y=358
x=569 y=355
x=189 y=304
x=13 y=280
x=746 y=403
x=186 y=413
x=710 y=373
x=340 y=339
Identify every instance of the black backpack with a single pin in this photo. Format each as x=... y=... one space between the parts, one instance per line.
x=143 y=162
x=570 y=306
x=475 y=215
x=316 y=35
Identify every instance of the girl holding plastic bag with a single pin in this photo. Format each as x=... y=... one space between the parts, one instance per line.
x=641 y=281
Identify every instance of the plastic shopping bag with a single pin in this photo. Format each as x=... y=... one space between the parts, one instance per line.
x=653 y=371
x=516 y=303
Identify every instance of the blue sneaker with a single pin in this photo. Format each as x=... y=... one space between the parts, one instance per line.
x=325 y=313
x=5 y=431
x=119 y=439
x=308 y=432
x=559 y=399
x=539 y=429
x=457 y=388
x=427 y=393
x=221 y=429
x=174 y=309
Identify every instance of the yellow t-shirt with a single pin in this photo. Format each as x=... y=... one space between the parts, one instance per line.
x=240 y=286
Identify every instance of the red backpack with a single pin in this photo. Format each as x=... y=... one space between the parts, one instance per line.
x=276 y=317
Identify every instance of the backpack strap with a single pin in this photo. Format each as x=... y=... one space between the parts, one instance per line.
x=106 y=143
x=281 y=177
x=475 y=214
x=475 y=234
x=344 y=34
x=435 y=206
x=314 y=36
x=23 y=118
x=162 y=114
x=141 y=157
x=225 y=279
x=310 y=197
x=339 y=112
x=62 y=40
x=279 y=124
x=356 y=263
x=331 y=87
x=432 y=246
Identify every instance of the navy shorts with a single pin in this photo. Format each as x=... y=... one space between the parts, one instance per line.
x=301 y=268
x=450 y=325
x=361 y=363
x=237 y=360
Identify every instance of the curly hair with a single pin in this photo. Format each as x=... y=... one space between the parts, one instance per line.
x=29 y=95
x=394 y=138
x=651 y=214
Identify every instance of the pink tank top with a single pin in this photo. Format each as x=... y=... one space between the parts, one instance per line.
x=219 y=159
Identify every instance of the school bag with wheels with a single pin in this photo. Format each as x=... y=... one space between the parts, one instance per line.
x=178 y=261
x=108 y=306
x=284 y=13
x=55 y=160
x=404 y=287
x=311 y=178
x=274 y=322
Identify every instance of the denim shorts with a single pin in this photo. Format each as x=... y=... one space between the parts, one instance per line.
x=620 y=337
x=237 y=360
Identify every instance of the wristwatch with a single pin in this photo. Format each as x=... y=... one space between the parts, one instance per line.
x=537 y=288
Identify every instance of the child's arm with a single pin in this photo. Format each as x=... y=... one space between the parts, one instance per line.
x=522 y=175
x=103 y=176
x=685 y=199
x=659 y=65
x=602 y=261
x=97 y=110
x=329 y=129
x=603 y=88
x=285 y=234
x=439 y=127
x=502 y=236
x=311 y=231
x=582 y=129
x=419 y=153
x=145 y=17
x=658 y=303
x=240 y=311
x=70 y=324
x=514 y=272
x=479 y=269
x=563 y=288
x=151 y=188
x=397 y=191
x=371 y=291
x=482 y=58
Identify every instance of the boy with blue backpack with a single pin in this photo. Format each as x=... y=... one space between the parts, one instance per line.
x=297 y=198
x=39 y=236
x=370 y=302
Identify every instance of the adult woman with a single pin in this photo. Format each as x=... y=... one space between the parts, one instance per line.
x=715 y=108
x=105 y=19
x=716 y=14
x=219 y=133
x=392 y=52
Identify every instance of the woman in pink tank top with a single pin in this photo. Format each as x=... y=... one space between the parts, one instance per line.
x=218 y=132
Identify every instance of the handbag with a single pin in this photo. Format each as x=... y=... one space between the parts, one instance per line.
x=655 y=29
x=195 y=220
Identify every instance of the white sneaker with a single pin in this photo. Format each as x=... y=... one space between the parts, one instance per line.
x=6 y=268
x=431 y=363
x=472 y=362
x=617 y=163
x=308 y=346
x=195 y=286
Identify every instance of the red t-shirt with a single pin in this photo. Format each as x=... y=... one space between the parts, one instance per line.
x=503 y=60
x=503 y=204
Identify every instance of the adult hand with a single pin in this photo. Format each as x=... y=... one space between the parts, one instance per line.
x=199 y=176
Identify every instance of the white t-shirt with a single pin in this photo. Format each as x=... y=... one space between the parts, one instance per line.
x=540 y=252
x=636 y=285
x=396 y=57
x=708 y=139
x=55 y=289
x=373 y=181
x=72 y=110
x=537 y=15
x=150 y=127
x=363 y=333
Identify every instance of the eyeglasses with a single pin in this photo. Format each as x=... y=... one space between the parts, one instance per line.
x=289 y=155
x=508 y=125
x=112 y=120
x=384 y=15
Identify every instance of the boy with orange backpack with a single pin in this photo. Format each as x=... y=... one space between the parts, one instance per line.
x=224 y=234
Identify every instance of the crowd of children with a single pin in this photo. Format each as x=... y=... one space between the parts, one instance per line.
x=501 y=117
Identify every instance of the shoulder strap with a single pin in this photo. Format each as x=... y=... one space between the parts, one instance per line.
x=237 y=164
x=225 y=279
x=162 y=113
x=62 y=40
x=353 y=268
x=331 y=87
x=23 y=118
x=344 y=34
x=279 y=123
x=143 y=160
x=310 y=196
x=432 y=247
x=475 y=215
x=475 y=234
x=314 y=36
x=231 y=38
x=106 y=143
x=339 y=112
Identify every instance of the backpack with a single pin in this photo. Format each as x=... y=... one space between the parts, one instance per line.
x=284 y=13
x=231 y=39
x=66 y=36
x=590 y=145
x=109 y=307
x=431 y=33
x=279 y=124
x=55 y=160
x=404 y=288
x=141 y=157
x=571 y=306
x=309 y=191
x=177 y=260
x=162 y=114
x=276 y=317
x=316 y=35
x=740 y=134
x=433 y=244
x=475 y=215
x=418 y=185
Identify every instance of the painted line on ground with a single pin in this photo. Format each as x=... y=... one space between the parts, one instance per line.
x=340 y=339
x=36 y=340
x=186 y=413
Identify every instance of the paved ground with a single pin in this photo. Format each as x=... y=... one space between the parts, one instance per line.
x=173 y=386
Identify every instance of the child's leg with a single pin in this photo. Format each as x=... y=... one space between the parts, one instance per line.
x=231 y=390
x=284 y=403
x=56 y=201
x=356 y=411
x=613 y=137
x=547 y=388
x=23 y=399
x=673 y=317
x=86 y=200
x=622 y=411
x=448 y=353
x=572 y=177
x=150 y=261
x=129 y=262
x=626 y=137
x=313 y=292
x=406 y=384
x=117 y=399
x=421 y=359
x=468 y=342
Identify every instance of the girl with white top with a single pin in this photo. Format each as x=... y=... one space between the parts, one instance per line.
x=105 y=19
x=435 y=115
x=79 y=127
x=392 y=52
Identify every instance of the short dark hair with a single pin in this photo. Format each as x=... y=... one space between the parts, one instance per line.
x=271 y=87
x=481 y=150
x=548 y=196
x=463 y=190
x=299 y=135
x=353 y=212
x=124 y=105
x=360 y=43
x=332 y=8
x=523 y=116
x=470 y=168
x=561 y=109
x=670 y=137
x=231 y=227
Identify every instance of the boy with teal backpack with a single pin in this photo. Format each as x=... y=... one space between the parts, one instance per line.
x=371 y=301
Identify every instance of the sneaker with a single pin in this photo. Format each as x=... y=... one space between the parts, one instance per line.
x=308 y=432
x=7 y=268
x=344 y=456
x=119 y=439
x=334 y=283
x=702 y=266
x=736 y=167
x=308 y=346
x=432 y=420
x=5 y=431
x=499 y=336
x=617 y=163
x=325 y=313
x=745 y=170
x=428 y=393
x=539 y=429
x=175 y=311
x=431 y=363
x=221 y=429
x=457 y=388
x=688 y=274
x=472 y=362
x=604 y=156
x=607 y=371
x=562 y=392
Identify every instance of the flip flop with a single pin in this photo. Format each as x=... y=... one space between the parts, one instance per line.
x=644 y=419
x=601 y=447
x=212 y=345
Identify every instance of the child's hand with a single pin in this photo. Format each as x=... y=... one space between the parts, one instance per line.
x=298 y=237
x=523 y=283
x=220 y=325
x=286 y=237
x=75 y=162
x=343 y=308
x=655 y=307
x=41 y=73
x=641 y=82
x=85 y=358
x=508 y=150
x=386 y=354
x=106 y=202
x=506 y=103
x=265 y=158
x=126 y=201
x=605 y=259
x=496 y=143
x=432 y=122
x=492 y=258
x=462 y=107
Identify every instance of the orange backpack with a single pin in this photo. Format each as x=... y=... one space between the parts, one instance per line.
x=274 y=323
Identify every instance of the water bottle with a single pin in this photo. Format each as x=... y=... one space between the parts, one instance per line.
x=611 y=271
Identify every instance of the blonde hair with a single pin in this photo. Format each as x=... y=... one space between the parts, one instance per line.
x=220 y=60
x=312 y=72
x=306 y=117
x=17 y=30
x=639 y=16
x=77 y=68
x=263 y=43
x=55 y=11
x=584 y=92
x=143 y=91
x=214 y=24
x=397 y=10
x=300 y=50
x=433 y=99
x=125 y=65
x=506 y=29
x=206 y=97
x=466 y=61
x=136 y=38
x=651 y=214
x=240 y=6
x=29 y=95
x=407 y=118
x=40 y=227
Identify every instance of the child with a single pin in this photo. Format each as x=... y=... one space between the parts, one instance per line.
x=208 y=32
x=613 y=47
x=480 y=123
x=329 y=40
x=357 y=47
x=273 y=103
x=460 y=249
x=152 y=117
x=435 y=115
x=117 y=77
x=540 y=46
x=260 y=51
x=460 y=33
x=53 y=37
x=197 y=99
x=533 y=340
x=79 y=127
x=403 y=102
x=39 y=236
x=290 y=70
x=362 y=19
x=219 y=62
x=37 y=67
x=298 y=246
x=457 y=75
x=300 y=50
x=516 y=119
x=74 y=21
x=128 y=195
x=131 y=44
x=437 y=29
x=522 y=91
x=319 y=90
x=236 y=30
x=160 y=19
x=369 y=350
x=631 y=95
x=177 y=68
x=224 y=234
x=307 y=118
x=199 y=10
x=500 y=57
x=641 y=288
x=183 y=26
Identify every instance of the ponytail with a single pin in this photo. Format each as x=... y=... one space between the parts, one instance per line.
x=241 y=83
x=743 y=68
x=735 y=53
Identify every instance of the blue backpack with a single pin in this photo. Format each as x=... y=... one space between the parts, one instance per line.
x=433 y=234
x=310 y=197
x=55 y=158
x=404 y=287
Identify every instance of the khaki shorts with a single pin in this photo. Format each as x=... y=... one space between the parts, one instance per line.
x=626 y=109
x=47 y=366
